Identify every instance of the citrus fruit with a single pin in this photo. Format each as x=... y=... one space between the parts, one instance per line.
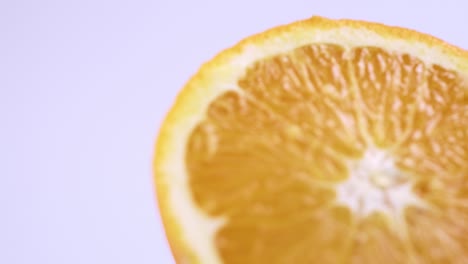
x=321 y=141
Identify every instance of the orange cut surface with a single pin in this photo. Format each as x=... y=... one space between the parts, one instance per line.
x=322 y=141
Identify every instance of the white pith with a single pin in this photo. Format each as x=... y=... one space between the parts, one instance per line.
x=376 y=185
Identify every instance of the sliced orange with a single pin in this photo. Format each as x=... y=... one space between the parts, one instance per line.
x=322 y=141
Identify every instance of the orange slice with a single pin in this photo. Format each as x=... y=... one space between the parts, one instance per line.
x=322 y=141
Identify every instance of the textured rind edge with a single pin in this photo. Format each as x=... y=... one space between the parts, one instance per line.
x=220 y=74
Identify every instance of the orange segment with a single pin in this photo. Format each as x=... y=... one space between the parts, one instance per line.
x=438 y=237
x=308 y=238
x=374 y=241
x=388 y=84
x=308 y=89
x=320 y=142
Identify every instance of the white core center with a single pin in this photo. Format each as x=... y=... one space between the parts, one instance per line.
x=376 y=185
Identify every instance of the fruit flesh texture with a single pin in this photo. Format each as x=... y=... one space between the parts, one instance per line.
x=270 y=155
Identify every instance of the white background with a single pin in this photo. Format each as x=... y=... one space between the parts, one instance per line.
x=83 y=87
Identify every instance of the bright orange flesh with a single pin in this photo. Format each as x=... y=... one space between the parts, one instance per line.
x=322 y=152
x=270 y=155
